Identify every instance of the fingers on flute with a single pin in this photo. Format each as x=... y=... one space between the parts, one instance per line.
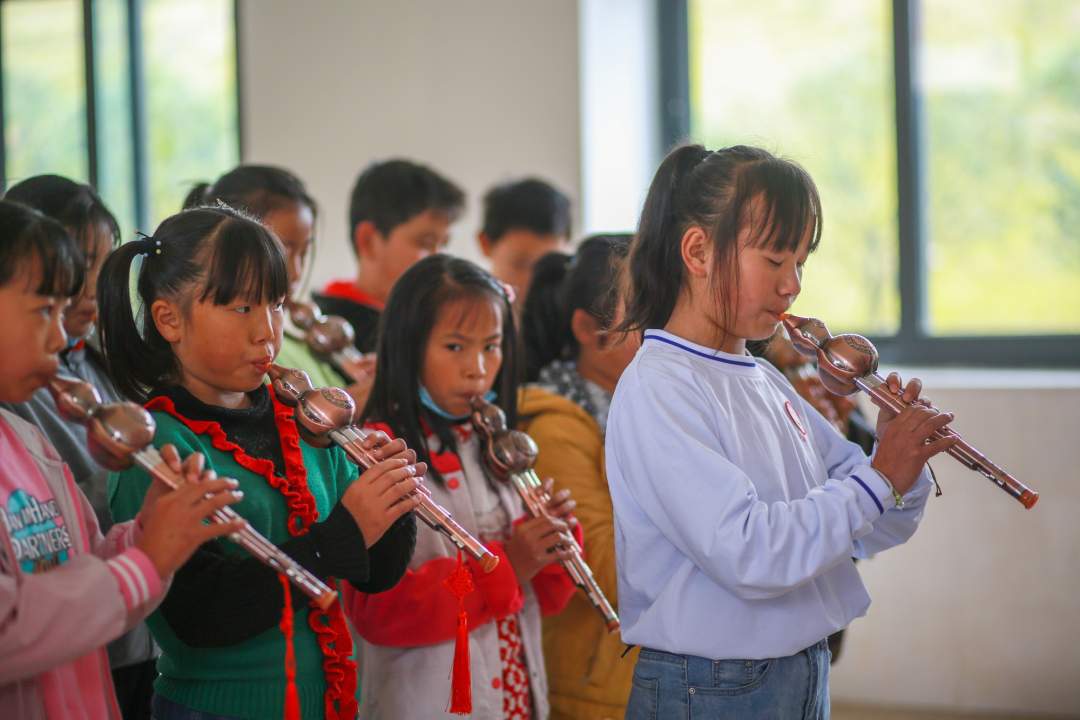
x=170 y=456
x=375 y=439
x=894 y=383
x=192 y=467
x=912 y=390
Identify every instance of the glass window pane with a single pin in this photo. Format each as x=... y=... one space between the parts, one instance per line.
x=1001 y=89
x=190 y=69
x=43 y=84
x=116 y=172
x=813 y=82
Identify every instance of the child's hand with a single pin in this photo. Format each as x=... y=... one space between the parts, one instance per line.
x=172 y=520
x=385 y=492
x=535 y=543
x=904 y=440
x=561 y=505
x=192 y=467
x=909 y=394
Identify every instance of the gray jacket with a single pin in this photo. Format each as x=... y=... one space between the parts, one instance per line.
x=69 y=439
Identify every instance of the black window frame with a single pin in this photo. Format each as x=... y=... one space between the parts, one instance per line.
x=137 y=90
x=913 y=344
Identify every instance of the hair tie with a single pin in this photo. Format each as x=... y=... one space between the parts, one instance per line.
x=147 y=245
x=508 y=290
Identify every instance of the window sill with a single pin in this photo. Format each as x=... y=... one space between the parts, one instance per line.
x=959 y=378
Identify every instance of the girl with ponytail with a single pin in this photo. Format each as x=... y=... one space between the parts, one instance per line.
x=738 y=507
x=575 y=361
x=210 y=290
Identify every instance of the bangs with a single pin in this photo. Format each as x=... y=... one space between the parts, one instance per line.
x=245 y=262
x=47 y=247
x=778 y=200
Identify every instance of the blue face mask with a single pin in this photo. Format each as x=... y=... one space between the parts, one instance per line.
x=429 y=402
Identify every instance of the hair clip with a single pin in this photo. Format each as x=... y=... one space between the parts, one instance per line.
x=508 y=289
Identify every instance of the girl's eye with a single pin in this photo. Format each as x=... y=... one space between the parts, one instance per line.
x=280 y=307
x=775 y=263
x=244 y=309
x=492 y=348
x=453 y=347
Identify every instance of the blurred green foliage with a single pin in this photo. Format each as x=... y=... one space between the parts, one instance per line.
x=1000 y=84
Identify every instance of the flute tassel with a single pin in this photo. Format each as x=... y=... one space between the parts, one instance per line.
x=460 y=584
x=292 y=698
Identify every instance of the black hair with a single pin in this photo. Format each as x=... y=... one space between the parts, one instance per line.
x=714 y=191
x=255 y=189
x=393 y=192
x=27 y=235
x=258 y=190
x=76 y=206
x=210 y=253
x=529 y=204
x=404 y=330
x=586 y=280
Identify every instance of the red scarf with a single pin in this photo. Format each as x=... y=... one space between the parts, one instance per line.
x=329 y=625
x=349 y=290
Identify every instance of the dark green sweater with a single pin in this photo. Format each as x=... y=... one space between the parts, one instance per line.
x=222 y=651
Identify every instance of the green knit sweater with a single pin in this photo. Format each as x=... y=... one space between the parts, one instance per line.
x=245 y=680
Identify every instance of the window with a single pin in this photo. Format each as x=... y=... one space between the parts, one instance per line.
x=944 y=137
x=136 y=97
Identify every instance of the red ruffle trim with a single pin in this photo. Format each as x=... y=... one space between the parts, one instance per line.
x=329 y=626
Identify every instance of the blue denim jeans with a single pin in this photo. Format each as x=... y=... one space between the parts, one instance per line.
x=687 y=687
x=164 y=709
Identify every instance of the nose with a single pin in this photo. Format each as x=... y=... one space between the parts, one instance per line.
x=475 y=368
x=791 y=283
x=57 y=338
x=262 y=330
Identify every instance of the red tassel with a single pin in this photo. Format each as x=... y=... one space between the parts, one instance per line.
x=460 y=584
x=292 y=698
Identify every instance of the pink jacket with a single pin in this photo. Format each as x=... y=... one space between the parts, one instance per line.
x=54 y=625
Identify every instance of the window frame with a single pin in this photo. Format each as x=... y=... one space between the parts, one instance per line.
x=137 y=90
x=913 y=343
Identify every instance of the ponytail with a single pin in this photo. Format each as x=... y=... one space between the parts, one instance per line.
x=197 y=196
x=563 y=284
x=136 y=355
x=545 y=324
x=656 y=268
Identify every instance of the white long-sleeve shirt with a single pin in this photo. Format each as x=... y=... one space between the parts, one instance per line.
x=738 y=507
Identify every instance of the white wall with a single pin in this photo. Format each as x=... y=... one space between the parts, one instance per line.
x=982 y=608
x=482 y=91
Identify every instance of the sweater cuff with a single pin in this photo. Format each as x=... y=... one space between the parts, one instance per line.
x=500 y=589
x=136 y=577
x=873 y=493
x=340 y=545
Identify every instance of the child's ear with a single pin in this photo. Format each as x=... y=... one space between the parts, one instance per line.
x=485 y=243
x=365 y=235
x=586 y=329
x=696 y=251
x=167 y=319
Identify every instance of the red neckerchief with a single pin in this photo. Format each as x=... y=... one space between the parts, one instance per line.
x=329 y=625
x=349 y=290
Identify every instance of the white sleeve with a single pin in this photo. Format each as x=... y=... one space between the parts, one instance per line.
x=896 y=525
x=666 y=443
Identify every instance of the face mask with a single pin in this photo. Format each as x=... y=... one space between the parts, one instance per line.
x=427 y=401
